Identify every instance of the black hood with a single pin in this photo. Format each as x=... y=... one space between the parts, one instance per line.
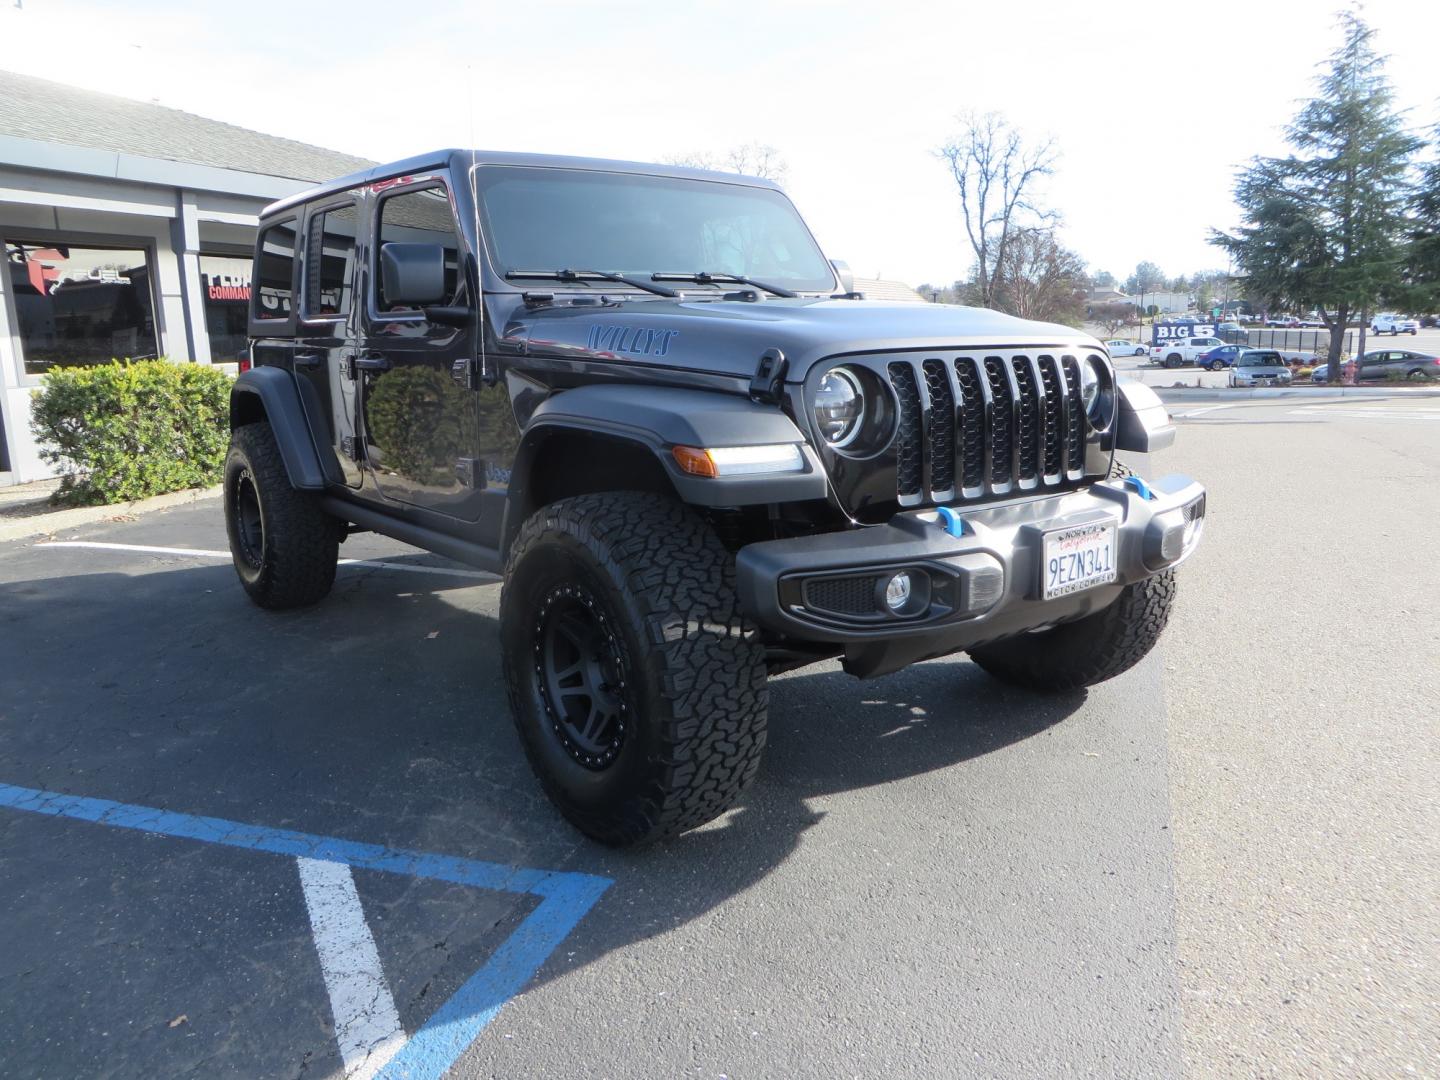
x=727 y=337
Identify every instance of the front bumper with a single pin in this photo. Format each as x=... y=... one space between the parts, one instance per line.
x=980 y=586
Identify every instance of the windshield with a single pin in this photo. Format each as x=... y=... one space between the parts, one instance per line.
x=552 y=219
x=1262 y=360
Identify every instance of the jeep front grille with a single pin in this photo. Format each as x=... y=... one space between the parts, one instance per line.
x=979 y=426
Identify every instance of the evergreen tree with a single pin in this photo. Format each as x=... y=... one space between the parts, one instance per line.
x=1325 y=225
x=1422 y=269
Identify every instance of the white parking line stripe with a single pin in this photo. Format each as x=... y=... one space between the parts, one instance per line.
x=1368 y=414
x=367 y=1026
x=98 y=545
x=1202 y=412
x=204 y=553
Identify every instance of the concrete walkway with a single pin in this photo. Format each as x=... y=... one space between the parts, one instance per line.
x=26 y=510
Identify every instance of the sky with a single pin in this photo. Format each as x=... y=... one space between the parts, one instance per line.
x=1153 y=107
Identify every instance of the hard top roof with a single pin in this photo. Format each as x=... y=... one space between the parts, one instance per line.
x=460 y=159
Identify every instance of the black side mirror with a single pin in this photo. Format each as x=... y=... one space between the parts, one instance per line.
x=412 y=274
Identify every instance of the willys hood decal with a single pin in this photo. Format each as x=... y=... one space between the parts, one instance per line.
x=728 y=336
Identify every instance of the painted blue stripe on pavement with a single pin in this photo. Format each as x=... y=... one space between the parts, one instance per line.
x=566 y=897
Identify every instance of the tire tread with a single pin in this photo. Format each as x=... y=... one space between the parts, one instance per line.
x=301 y=540
x=707 y=656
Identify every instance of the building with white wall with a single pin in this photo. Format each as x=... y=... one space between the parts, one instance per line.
x=127 y=229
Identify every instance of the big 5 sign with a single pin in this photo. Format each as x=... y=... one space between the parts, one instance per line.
x=1164 y=333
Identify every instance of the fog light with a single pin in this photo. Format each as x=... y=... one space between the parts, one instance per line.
x=897 y=591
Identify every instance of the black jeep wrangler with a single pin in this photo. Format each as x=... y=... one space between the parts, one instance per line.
x=696 y=455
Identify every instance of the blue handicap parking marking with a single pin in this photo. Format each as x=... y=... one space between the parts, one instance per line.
x=564 y=898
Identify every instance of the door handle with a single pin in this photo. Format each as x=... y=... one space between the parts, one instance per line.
x=355 y=366
x=309 y=359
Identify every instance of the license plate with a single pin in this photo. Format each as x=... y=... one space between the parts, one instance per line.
x=1078 y=558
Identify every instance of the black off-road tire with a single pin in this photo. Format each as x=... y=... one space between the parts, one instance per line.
x=284 y=546
x=1090 y=650
x=685 y=677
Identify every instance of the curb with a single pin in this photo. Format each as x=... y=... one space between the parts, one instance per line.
x=1178 y=393
x=53 y=521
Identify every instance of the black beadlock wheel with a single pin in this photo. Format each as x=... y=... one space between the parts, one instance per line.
x=637 y=685
x=1089 y=650
x=580 y=674
x=283 y=545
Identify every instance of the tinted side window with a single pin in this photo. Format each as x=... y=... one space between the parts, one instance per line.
x=275 y=272
x=330 y=261
x=420 y=217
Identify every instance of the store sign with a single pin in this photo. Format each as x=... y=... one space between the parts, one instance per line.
x=1164 y=333
x=227 y=287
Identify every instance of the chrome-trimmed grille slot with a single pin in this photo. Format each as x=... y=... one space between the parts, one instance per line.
x=1028 y=419
x=1001 y=421
x=971 y=417
x=1054 y=410
x=1075 y=418
x=940 y=429
x=909 y=472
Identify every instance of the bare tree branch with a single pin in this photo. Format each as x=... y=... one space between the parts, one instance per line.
x=996 y=173
x=749 y=159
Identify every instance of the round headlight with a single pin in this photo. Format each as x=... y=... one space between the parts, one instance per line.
x=839 y=407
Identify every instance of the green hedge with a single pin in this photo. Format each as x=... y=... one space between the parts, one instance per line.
x=123 y=431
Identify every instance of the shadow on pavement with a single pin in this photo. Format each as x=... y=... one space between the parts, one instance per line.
x=380 y=715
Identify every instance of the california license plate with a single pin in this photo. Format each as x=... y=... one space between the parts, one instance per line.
x=1078 y=558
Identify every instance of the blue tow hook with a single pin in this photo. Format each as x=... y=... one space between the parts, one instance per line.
x=1140 y=486
x=951 y=521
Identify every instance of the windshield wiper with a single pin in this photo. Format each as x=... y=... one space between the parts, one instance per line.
x=589 y=275
x=702 y=278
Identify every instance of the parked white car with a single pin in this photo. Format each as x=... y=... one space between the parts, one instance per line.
x=1394 y=324
x=1179 y=351
x=1121 y=347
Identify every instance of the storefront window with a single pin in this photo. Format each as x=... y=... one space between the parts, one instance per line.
x=80 y=305
x=225 y=282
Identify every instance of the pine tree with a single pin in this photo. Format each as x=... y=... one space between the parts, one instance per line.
x=1325 y=226
x=1422 y=268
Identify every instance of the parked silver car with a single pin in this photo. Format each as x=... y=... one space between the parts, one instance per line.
x=1381 y=364
x=1259 y=367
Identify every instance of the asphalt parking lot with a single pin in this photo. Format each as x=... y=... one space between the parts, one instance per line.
x=1219 y=864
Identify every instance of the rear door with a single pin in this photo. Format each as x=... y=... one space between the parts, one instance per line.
x=326 y=333
x=1398 y=362
x=420 y=423
x=272 y=294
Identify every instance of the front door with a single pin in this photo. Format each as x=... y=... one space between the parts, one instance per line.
x=420 y=423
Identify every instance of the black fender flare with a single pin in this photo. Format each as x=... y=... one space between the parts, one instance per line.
x=270 y=394
x=661 y=417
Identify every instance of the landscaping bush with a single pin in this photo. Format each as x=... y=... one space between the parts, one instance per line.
x=123 y=431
